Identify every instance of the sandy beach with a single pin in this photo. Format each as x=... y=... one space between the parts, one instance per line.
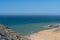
x=50 y=34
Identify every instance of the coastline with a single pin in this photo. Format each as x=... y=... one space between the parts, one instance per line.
x=50 y=34
x=30 y=28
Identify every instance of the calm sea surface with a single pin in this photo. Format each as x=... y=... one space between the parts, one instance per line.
x=28 y=24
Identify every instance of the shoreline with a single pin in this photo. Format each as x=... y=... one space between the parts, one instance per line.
x=34 y=26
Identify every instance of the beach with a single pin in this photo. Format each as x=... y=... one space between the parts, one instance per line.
x=50 y=34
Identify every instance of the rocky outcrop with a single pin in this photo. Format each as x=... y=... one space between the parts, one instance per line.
x=54 y=26
x=8 y=34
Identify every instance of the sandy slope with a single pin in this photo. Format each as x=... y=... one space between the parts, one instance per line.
x=50 y=34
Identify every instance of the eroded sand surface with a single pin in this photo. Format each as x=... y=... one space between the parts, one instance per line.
x=50 y=34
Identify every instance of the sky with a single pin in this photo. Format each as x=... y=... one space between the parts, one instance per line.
x=29 y=7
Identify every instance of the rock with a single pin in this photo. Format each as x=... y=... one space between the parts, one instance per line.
x=54 y=26
x=8 y=34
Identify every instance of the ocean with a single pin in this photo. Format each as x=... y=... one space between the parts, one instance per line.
x=29 y=24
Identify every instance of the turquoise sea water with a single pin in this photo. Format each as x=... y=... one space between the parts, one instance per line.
x=28 y=24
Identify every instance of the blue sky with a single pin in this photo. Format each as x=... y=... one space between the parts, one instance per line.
x=29 y=7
